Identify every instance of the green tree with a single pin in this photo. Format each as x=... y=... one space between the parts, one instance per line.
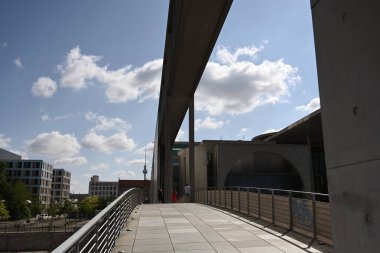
x=17 y=201
x=68 y=209
x=89 y=205
x=53 y=208
x=4 y=186
x=35 y=207
x=15 y=196
x=4 y=214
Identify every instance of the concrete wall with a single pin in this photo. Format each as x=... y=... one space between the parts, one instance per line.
x=226 y=154
x=200 y=166
x=44 y=241
x=297 y=155
x=347 y=40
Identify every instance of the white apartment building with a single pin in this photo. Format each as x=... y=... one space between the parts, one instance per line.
x=102 y=188
x=35 y=174
x=60 y=188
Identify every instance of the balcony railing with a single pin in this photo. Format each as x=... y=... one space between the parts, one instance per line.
x=100 y=234
x=307 y=213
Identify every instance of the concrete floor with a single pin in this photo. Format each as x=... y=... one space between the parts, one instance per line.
x=196 y=228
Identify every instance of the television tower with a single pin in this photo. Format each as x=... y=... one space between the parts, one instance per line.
x=145 y=171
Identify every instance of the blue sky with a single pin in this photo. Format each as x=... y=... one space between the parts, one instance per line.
x=80 y=79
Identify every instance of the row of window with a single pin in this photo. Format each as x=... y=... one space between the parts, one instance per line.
x=104 y=183
x=103 y=193
x=59 y=179
x=104 y=188
x=27 y=173
x=61 y=172
x=60 y=186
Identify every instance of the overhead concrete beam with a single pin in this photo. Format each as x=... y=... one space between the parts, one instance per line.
x=192 y=30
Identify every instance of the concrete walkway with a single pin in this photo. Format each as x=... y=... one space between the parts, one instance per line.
x=199 y=229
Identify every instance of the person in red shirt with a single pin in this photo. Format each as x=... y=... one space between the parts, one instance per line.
x=174 y=195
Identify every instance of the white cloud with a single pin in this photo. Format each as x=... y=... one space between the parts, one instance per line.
x=208 y=123
x=137 y=162
x=44 y=87
x=120 y=160
x=45 y=117
x=313 y=105
x=226 y=57
x=54 y=144
x=182 y=136
x=79 y=160
x=101 y=143
x=242 y=133
x=149 y=148
x=103 y=123
x=23 y=154
x=272 y=130
x=122 y=85
x=101 y=166
x=4 y=141
x=18 y=62
x=125 y=174
x=236 y=87
x=5 y=44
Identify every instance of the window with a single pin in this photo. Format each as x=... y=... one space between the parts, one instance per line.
x=19 y=165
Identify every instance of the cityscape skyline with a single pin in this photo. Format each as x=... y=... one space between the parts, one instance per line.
x=82 y=80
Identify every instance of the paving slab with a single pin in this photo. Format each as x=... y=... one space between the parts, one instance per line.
x=194 y=228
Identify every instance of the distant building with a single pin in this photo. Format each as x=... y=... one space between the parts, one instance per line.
x=292 y=159
x=60 y=188
x=125 y=185
x=102 y=188
x=36 y=174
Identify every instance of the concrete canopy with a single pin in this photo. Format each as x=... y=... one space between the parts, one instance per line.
x=192 y=30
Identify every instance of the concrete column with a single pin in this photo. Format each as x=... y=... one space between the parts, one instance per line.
x=167 y=158
x=347 y=41
x=191 y=148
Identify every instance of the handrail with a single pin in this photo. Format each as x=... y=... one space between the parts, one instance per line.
x=304 y=212
x=130 y=199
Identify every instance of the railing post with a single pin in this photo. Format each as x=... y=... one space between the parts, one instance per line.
x=225 y=197
x=97 y=238
x=220 y=198
x=215 y=196
x=314 y=218
x=232 y=198
x=258 y=203
x=239 y=198
x=290 y=211
x=207 y=196
x=273 y=206
x=248 y=201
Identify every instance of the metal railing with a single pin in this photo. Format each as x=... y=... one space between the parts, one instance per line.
x=307 y=213
x=38 y=229
x=100 y=234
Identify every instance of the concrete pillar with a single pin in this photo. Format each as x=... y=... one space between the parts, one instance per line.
x=167 y=158
x=191 y=148
x=347 y=41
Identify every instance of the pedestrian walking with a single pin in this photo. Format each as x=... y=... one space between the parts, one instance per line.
x=160 y=195
x=174 y=195
x=187 y=192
